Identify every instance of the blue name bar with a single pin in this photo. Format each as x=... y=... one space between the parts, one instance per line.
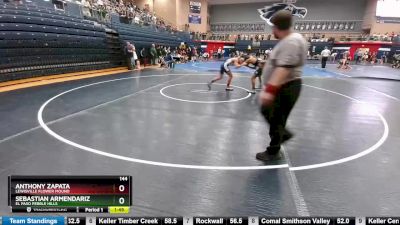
x=33 y=220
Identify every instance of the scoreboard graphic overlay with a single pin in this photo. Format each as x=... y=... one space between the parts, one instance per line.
x=59 y=220
x=77 y=194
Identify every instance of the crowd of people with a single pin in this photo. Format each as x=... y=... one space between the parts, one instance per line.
x=396 y=61
x=311 y=37
x=381 y=37
x=128 y=11
x=360 y=56
x=168 y=57
x=200 y=36
x=159 y=55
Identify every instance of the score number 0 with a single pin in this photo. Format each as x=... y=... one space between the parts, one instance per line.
x=121 y=188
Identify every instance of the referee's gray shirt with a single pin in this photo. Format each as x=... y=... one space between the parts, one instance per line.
x=291 y=53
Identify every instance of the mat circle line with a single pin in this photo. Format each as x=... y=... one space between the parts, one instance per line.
x=200 y=167
x=203 y=102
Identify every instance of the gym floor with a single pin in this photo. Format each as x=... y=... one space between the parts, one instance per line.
x=191 y=152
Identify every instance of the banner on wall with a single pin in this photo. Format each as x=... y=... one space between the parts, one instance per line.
x=195 y=7
x=267 y=12
x=195 y=19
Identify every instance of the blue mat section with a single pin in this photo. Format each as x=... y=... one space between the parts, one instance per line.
x=214 y=67
x=314 y=71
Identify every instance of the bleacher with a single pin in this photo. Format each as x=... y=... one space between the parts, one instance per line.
x=267 y=44
x=37 y=41
x=238 y=28
x=144 y=36
x=242 y=45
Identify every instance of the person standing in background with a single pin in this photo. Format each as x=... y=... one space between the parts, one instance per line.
x=135 y=58
x=282 y=77
x=159 y=53
x=128 y=49
x=195 y=54
x=219 y=53
x=86 y=9
x=325 y=56
x=359 y=56
x=143 y=57
x=384 y=58
x=355 y=56
x=153 y=54
x=373 y=58
x=333 y=56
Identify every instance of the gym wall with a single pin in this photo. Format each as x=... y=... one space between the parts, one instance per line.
x=328 y=10
x=176 y=12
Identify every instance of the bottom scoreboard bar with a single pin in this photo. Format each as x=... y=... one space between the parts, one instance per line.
x=60 y=220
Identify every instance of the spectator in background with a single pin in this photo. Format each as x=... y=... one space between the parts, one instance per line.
x=164 y=51
x=365 y=57
x=135 y=58
x=189 y=53
x=369 y=57
x=128 y=49
x=159 y=53
x=334 y=55
x=219 y=53
x=355 y=56
x=382 y=58
x=136 y=18
x=153 y=54
x=385 y=57
x=359 y=56
x=391 y=36
x=169 y=60
x=373 y=58
x=268 y=51
x=206 y=55
x=143 y=56
x=195 y=54
x=86 y=8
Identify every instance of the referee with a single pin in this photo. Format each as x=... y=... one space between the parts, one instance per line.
x=282 y=75
x=325 y=55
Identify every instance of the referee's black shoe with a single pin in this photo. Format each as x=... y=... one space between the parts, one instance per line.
x=287 y=136
x=264 y=156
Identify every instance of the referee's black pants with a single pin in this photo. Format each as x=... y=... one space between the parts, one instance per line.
x=324 y=59
x=277 y=113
